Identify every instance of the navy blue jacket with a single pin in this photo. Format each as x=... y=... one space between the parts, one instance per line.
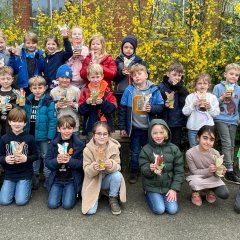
x=20 y=171
x=46 y=118
x=75 y=162
x=53 y=61
x=174 y=116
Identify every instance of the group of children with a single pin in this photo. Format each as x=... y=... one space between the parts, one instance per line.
x=80 y=85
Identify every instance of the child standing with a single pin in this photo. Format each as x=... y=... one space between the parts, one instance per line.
x=55 y=57
x=161 y=164
x=200 y=107
x=228 y=94
x=101 y=164
x=7 y=96
x=18 y=150
x=4 y=54
x=97 y=46
x=41 y=122
x=96 y=103
x=204 y=168
x=27 y=61
x=140 y=102
x=124 y=61
x=79 y=54
x=65 y=160
x=174 y=94
x=66 y=96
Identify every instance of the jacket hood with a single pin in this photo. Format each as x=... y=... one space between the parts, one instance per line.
x=172 y=87
x=149 y=84
x=158 y=122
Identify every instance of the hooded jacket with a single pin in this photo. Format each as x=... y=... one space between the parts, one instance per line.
x=173 y=172
x=93 y=178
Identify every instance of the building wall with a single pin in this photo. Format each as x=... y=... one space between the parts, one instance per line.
x=23 y=8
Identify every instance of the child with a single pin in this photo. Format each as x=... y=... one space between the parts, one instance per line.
x=124 y=61
x=174 y=93
x=27 y=60
x=7 y=97
x=99 y=106
x=55 y=57
x=97 y=46
x=79 y=54
x=66 y=96
x=140 y=102
x=228 y=94
x=4 y=54
x=101 y=164
x=200 y=107
x=18 y=150
x=204 y=174
x=161 y=164
x=41 y=122
x=65 y=160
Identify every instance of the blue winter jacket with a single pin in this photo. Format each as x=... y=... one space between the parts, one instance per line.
x=19 y=65
x=46 y=118
x=173 y=116
x=125 y=111
x=75 y=162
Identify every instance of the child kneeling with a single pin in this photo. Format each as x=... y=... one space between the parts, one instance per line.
x=101 y=165
x=161 y=164
x=64 y=159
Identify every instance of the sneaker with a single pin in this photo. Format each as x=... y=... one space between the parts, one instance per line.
x=115 y=208
x=211 y=197
x=35 y=182
x=196 y=199
x=133 y=177
x=232 y=177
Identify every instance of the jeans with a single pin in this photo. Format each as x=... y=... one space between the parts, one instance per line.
x=192 y=137
x=158 y=203
x=42 y=151
x=221 y=192
x=62 y=193
x=139 y=138
x=111 y=181
x=20 y=190
x=227 y=134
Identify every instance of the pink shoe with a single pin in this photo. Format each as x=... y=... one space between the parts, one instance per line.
x=196 y=199
x=211 y=197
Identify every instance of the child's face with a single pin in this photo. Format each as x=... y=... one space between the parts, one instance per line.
x=2 y=44
x=95 y=79
x=174 y=77
x=17 y=127
x=206 y=141
x=96 y=46
x=157 y=134
x=30 y=45
x=101 y=136
x=77 y=36
x=65 y=131
x=202 y=85
x=139 y=78
x=64 y=82
x=128 y=49
x=51 y=46
x=231 y=76
x=6 y=80
x=38 y=91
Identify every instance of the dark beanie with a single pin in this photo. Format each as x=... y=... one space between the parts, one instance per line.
x=132 y=40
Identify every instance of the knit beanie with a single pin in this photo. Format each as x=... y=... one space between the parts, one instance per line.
x=64 y=71
x=132 y=40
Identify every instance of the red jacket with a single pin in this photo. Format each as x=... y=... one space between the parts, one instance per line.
x=109 y=68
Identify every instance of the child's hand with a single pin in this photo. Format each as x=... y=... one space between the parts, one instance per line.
x=171 y=195
x=196 y=103
x=167 y=104
x=89 y=101
x=125 y=71
x=63 y=30
x=153 y=167
x=226 y=94
x=212 y=168
x=61 y=104
x=108 y=164
x=60 y=158
x=99 y=101
x=70 y=103
x=208 y=105
x=65 y=158
x=9 y=106
x=20 y=158
x=123 y=133
x=96 y=166
x=10 y=159
x=148 y=107
x=16 y=50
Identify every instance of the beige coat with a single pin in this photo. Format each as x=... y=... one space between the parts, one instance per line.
x=93 y=178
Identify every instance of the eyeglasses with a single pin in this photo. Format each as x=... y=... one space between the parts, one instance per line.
x=99 y=134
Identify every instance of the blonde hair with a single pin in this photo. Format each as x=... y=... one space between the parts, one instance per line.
x=231 y=66
x=164 y=129
x=203 y=76
x=36 y=81
x=138 y=67
x=6 y=70
x=2 y=35
x=102 y=41
x=76 y=27
x=30 y=36
x=94 y=69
